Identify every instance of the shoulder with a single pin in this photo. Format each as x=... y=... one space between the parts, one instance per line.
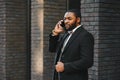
x=85 y=33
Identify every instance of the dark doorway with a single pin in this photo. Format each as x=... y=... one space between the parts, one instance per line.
x=73 y=4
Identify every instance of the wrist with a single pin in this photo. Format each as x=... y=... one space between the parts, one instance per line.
x=55 y=33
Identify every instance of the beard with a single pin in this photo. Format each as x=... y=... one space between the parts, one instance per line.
x=71 y=27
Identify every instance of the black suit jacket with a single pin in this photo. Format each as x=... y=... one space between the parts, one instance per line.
x=77 y=55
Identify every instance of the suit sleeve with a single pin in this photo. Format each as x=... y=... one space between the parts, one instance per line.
x=86 y=59
x=53 y=42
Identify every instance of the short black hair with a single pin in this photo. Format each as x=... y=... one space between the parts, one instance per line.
x=76 y=12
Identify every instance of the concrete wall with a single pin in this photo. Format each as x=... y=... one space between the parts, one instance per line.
x=109 y=40
x=102 y=18
x=13 y=47
x=37 y=15
x=45 y=13
x=90 y=20
x=2 y=40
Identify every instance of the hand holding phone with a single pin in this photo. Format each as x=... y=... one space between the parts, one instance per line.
x=63 y=25
x=59 y=28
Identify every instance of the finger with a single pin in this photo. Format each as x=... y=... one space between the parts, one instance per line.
x=60 y=22
x=57 y=68
x=59 y=62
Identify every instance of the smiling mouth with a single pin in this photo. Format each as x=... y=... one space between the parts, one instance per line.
x=67 y=25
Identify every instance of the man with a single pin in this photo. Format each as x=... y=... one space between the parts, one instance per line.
x=74 y=54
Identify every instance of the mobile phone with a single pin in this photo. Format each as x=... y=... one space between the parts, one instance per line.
x=63 y=25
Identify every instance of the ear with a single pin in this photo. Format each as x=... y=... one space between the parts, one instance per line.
x=78 y=20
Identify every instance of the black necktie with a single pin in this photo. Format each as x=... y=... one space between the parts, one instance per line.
x=62 y=43
x=65 y=36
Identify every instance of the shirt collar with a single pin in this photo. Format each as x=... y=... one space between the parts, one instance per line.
x=74 y=29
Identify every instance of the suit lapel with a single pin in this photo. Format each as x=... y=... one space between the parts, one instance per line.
x=74 y=35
